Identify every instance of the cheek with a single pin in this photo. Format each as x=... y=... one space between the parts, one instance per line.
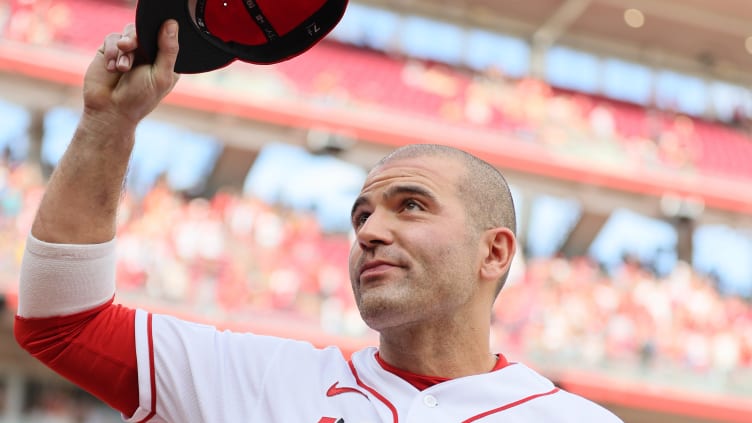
x=352 y=261
x=440 y=245
x=456 y=256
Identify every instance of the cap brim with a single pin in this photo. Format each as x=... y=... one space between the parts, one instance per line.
x=196 y=54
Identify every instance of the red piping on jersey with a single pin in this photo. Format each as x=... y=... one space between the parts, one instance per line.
x=152 y=372
x=334 y=390
x=381 y=398
x=510 y=405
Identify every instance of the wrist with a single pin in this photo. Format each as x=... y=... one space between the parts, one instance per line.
x=107 y=129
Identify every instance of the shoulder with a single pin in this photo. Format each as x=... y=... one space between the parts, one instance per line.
x=174 y=331
x=581 y=409
x=565 y=406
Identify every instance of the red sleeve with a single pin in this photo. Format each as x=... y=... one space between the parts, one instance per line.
x=95 y=349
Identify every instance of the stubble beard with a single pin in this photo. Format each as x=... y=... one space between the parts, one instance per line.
x=386 y=305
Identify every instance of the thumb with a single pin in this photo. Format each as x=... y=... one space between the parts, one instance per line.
x=167 y=54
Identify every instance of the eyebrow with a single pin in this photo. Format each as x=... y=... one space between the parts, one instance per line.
x=393 y=192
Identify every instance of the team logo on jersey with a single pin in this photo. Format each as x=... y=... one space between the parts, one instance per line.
x=335 y=390
x=331 y=420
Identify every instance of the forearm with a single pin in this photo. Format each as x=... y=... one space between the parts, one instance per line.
x=65 y=315
x=81 y=200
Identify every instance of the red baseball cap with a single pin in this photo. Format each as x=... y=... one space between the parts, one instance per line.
x=214 y=33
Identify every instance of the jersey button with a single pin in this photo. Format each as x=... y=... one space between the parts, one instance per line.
x=430 y=401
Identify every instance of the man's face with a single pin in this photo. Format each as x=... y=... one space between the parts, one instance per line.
x=414 y=257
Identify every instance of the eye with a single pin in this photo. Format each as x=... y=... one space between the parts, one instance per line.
x=411 y=205
x=359 y=219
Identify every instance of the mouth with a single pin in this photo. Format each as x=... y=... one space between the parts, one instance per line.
x=374 y=268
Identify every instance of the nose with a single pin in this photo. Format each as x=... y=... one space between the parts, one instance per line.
x=374 y=231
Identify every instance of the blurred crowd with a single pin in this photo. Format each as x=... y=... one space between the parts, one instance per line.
x=231 y=255
x=57 y=403
x=576 y=125
x=601 y=132
x=232 y=258
x=585 y=128
x=568 y=310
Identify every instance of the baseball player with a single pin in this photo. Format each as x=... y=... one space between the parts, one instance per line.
x=434 y=239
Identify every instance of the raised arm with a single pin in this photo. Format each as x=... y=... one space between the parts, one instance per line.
x=81 y=200
x=65 y=316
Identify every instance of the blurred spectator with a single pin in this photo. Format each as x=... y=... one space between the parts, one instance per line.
x=741 y=120
x=36 y=21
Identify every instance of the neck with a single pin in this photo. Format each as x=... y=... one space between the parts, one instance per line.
x=442 y=351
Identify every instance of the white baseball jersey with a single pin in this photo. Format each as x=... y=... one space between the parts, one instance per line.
x=189 y=372
x=185 y=372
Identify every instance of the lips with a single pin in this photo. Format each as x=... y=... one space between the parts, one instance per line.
x=374 y=266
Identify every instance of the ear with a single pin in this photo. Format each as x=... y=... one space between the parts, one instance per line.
x=498 y=248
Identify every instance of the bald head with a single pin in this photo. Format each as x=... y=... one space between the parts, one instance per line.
x=483 y=189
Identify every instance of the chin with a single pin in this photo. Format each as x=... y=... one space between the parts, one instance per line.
x=382 y=316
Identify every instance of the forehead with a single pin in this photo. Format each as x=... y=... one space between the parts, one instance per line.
x=440 y=174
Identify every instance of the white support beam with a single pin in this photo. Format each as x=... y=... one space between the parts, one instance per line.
x=556 y=25
x=559 y=22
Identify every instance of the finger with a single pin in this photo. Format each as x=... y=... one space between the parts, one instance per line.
x=127 y=44
x=128 y=41
x=110 y=51
x=167 y=54
x=124 y=62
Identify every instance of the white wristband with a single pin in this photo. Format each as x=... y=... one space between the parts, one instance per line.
x=62 y=279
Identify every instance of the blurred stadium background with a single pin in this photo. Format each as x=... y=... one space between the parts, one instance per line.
x=623 y=126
